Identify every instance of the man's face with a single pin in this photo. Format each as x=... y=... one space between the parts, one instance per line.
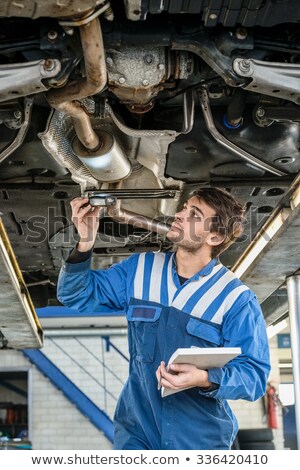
x=190 y=229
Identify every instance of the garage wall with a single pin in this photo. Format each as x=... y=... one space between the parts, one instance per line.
x=98 y=372
x=251 y=414
x=57 y=424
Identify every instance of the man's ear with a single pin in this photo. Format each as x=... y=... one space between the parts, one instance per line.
x=215 y=239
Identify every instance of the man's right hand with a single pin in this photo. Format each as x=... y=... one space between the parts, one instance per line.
x=86 y=220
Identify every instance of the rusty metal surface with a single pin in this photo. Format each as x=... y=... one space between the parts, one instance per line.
x=64 y=98
x=53 y=8
x=280 y=256
x=279 y=259
x=19 y=323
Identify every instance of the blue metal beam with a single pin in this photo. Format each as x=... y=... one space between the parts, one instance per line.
x=98 y=417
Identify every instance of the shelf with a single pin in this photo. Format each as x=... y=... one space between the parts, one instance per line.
x=13 y=424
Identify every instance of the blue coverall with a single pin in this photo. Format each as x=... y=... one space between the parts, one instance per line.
x=212 y=309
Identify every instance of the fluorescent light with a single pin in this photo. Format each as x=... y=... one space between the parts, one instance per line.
x=265 y=235
x=295 y=199
x=273 y=330
x=262 y=240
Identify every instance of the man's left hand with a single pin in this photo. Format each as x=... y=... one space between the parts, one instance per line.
x=182 y=376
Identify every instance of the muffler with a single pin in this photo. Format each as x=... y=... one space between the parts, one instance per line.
x=108 y=162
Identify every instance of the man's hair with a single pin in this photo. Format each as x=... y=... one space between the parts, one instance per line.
x=229 y=220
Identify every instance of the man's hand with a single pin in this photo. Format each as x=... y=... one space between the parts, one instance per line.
x=182 y=376
x=86 y=220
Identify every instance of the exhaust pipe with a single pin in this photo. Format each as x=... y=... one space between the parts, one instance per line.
x=127 y=217
x=64 y=99
x=98 y=151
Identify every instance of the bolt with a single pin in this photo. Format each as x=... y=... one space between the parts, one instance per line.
x=17 y=114
x=122 y=80
x=49 y=65
x=148 y=59
x=108 y=14
x=52 y=35
x=241 y=33
x=145 y=82
x=244 y=65
x=69 y=30
x=260 y=112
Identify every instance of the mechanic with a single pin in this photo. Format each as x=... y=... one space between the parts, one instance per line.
x=176 y=299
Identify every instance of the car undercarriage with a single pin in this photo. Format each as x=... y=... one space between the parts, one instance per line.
x=136 y=103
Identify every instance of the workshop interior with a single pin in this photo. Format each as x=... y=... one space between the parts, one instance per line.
x=135 y=104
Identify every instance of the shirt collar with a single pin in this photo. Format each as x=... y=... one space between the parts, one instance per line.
x=204 y=271
x=209 y=267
